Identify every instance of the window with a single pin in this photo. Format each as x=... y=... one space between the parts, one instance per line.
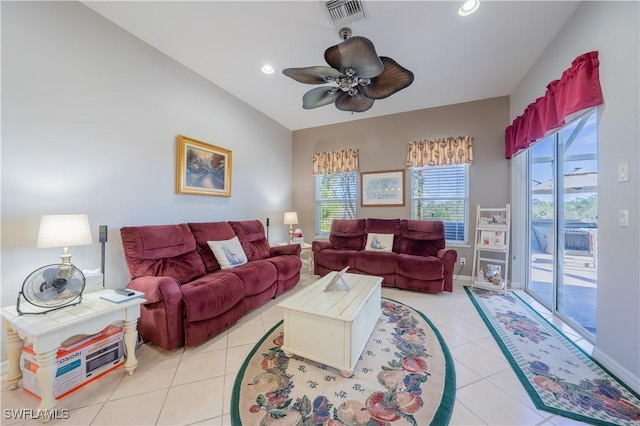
x=336 y=196
x=442 y=193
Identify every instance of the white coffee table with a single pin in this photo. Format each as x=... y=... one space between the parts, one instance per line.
x=332 y=327
x=47 y=331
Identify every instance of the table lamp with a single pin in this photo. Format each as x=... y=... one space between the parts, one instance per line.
x=64 y=230
x=290 y=218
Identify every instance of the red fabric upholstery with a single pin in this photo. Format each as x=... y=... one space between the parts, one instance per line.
x=347 y=234
x=426 y=268
x=189 y=299
x=160 y=319
x=211 y=295
x=256 y=276
x=419 y=260
x=201 y=331
x=146 y=255
x=577 y=89
x=421 y=237
x=210 y=231
x=251 y=236
x=288 y=270
x=383 y=226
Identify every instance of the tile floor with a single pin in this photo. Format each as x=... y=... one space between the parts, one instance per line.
x=193 y=386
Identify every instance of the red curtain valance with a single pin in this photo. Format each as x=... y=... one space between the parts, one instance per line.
x=577 y=89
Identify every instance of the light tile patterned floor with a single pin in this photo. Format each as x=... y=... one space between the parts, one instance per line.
x=193 y=386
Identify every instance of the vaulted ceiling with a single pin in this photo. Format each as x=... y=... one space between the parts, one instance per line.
x=454 y=59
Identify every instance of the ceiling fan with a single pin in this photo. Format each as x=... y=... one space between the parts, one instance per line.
x=360 y=75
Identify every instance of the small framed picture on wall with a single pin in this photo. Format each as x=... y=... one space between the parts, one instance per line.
x=385 y=188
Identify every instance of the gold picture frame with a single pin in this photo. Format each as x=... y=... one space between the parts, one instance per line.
x=202 y=168
x=382 y=189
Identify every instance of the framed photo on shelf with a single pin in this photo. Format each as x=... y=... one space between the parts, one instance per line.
x=202 y=169
x=384 y=188
x=492 y=239
x=492 y=219
x=486 y=238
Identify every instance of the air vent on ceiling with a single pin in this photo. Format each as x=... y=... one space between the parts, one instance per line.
x=343 y=11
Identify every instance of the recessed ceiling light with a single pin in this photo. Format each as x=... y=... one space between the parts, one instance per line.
x=468 y=7
x=267 y=69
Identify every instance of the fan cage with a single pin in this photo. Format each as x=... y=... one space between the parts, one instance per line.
x=53 y=286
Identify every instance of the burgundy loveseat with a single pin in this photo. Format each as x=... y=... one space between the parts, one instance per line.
x=189 y=297
x=417 y=259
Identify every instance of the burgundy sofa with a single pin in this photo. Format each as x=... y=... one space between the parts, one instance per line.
x=417 y=261
x=189 y=297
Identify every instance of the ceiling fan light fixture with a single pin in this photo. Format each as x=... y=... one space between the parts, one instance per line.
x=360 y=74
x=267 y=69
x=468 y=7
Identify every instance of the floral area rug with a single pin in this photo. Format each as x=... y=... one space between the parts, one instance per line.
x=558 y=375
x=405 y=376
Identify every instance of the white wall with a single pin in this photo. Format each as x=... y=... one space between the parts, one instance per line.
x=611 y=28
x=90 y=116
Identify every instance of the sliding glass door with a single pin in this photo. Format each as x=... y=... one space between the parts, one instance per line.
x=563 y=222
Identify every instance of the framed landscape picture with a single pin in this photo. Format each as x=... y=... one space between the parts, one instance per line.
x=384 y=188
x=202 y=169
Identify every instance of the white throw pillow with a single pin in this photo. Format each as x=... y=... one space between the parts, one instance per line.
x=379 y=242
x=228 y=253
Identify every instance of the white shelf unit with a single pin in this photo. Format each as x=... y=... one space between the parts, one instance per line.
x=491 y=250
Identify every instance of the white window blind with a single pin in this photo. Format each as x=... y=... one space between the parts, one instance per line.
x=336 y=196
x=442 y=193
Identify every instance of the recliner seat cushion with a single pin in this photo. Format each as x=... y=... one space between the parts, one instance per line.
x=256 y=276
x=376 y=263
x=211 y=295
x=287 y=266
x=336 y=260
x=419 y=267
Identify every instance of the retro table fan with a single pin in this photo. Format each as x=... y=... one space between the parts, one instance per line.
x=52 y=287
x=58 y=285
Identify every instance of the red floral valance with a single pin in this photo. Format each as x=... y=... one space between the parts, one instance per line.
x=577 y=90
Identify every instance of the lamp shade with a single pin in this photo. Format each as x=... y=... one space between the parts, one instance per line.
x=290 y=218
x=64 y=230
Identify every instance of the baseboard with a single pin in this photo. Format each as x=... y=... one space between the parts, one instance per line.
x=467 y=278
x=622 y=373
x=462 y=278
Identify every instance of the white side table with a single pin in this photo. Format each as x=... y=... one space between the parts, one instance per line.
x=305 y=253
x=47 y=331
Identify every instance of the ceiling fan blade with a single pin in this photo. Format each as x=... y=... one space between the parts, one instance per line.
x=312 y=75
x=320 y=96
x=355 y=103
x=357 y=53
x=393 y=78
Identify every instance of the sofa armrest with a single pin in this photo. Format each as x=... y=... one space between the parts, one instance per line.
x=161 y=316
x=448 y=258
x=158 y=289
x=318 y=246
x=285 y=250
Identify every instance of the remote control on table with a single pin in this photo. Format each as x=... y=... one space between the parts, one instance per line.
x=124 y=292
